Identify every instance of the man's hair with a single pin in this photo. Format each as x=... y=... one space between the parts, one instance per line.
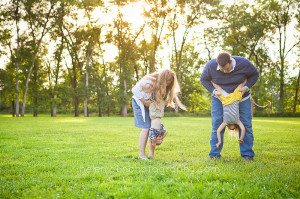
x=223 y=59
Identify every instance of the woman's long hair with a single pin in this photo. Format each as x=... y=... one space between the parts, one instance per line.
x=163 y=82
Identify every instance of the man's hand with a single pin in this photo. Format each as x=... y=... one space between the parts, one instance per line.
x=244 y=90
x=218 y=94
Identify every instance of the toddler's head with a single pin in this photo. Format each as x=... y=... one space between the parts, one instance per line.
x=233 y=129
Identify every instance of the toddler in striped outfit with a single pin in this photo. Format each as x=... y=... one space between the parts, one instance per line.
x=231 y=117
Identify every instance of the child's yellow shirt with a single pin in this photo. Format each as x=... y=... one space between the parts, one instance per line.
x=232 y=97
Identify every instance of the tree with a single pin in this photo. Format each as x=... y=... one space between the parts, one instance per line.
x=157 y=16
x=296 y=93
x=17 y=19
x=91 y=35
x=11 y=13
x=281 y=13
x=125 y=40
x=72 y=39
x=196 y=9
x=57 y=34
x=37 y=19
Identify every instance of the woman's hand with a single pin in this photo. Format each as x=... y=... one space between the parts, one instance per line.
x=146 y=102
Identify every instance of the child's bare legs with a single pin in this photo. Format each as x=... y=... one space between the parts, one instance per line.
x=155 y=124
x=242 y=127
x=143 y=141
x=221 y=127
x=151 y=150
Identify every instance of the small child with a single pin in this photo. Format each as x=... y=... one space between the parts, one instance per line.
x=156 y=112
x=231 y=117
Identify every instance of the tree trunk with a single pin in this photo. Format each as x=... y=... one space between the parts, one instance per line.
x=281 y=95
x=58 y=61
x=17 y=61
x=13 y=108
x=86 y=97
x=27 y=81
x=153 y=62
x=76 y=102
x=35 y=93
x=99 y=112
x=281 y=55
x=124 y=106
x=35 y=102
x=296 y=94
x=88 y=58
x=74 y=84
x=136 y=72
x=54 y=106
x=107 y=94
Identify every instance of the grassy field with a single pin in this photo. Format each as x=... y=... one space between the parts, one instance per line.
x=68 y=157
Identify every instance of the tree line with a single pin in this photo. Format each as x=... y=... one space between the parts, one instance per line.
x=76 y=77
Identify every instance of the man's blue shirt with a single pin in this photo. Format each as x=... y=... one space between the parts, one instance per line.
x=243 y=70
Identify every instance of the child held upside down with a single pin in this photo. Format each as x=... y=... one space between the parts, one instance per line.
x=231 y=117
x=156 y=112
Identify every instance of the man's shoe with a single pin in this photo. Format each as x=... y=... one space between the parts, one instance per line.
x=215 y=158
x=250 y=159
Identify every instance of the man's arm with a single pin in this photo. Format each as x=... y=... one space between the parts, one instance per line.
x=252 y=75
x=242 y=84
x=218 y=91
x=206 y=78
x=217 y=87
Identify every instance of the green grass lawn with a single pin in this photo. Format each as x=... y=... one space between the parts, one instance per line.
x=97 y=157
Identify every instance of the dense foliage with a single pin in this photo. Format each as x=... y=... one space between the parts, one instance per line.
x=54 y=53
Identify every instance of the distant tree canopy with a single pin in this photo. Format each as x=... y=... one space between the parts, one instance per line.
x=55 y=55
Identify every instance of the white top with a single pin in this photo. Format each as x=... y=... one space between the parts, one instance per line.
x=139 y=93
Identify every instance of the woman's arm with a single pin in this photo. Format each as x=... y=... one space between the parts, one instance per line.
x=146 y=102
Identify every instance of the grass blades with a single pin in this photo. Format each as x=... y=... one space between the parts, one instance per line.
x=97 y=158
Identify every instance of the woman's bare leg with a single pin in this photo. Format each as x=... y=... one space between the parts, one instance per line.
x=143 y=141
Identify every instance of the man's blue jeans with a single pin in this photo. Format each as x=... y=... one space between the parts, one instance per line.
x=217 y=119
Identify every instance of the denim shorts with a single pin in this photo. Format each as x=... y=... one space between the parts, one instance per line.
x=138 y=117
